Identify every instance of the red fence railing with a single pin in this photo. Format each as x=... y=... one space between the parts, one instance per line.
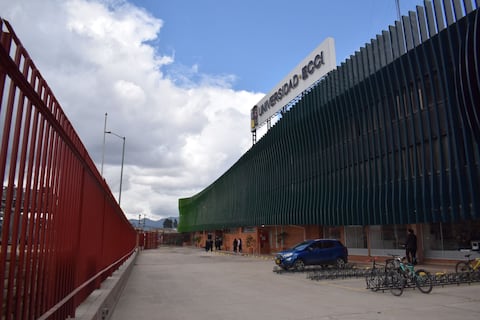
x=148 y=239
x=62 y=231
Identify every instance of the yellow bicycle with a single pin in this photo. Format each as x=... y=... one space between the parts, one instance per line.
x=470 y=266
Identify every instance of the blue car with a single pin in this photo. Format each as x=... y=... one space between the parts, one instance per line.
x=322 y=252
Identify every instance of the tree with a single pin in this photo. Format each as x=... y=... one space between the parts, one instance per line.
x=250 y=242
x=167 y=224
x=175 y=223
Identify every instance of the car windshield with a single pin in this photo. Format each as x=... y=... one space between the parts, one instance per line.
x=302 y=245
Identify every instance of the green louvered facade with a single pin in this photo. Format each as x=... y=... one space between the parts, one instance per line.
x=390 y=137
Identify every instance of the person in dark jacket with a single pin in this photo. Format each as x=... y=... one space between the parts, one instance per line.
x=411 y=247
x=235 y=243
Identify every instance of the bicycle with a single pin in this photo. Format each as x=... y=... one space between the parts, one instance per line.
x=405 y=275
x=378 y=277
x=469 y=268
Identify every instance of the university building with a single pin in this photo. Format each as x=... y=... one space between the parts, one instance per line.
x=388 y=140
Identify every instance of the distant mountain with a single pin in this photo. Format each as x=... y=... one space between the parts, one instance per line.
x=148 y=224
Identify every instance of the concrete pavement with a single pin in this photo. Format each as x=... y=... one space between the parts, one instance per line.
x=188 y=283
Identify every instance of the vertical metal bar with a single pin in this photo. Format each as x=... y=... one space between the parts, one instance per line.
x=388 y=47
x=432 y=29
x=5 y=42
x=387 y=135
x=42 y=221
x=457 y=6
x=6 y=232
x=16 y=267
x=338 y=194
x=21 y=298
x=375 y=60
x=408 y=33
x=16 y=210
x=400 y=38
x=356 y=78
x=468 y=6
x=439 y=15
x=49 y=212
x=422 y=22
x=414 y=28
x=394 y=42
x=380 y=53
x=31 y=213
x=70 y=206
x=448 y=12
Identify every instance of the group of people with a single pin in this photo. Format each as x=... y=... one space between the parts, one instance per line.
x=237 y=245
x=209 y=243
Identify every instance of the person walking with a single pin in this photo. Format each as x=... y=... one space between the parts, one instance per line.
x=235 y=243
x=239 y=245
x=411 y=247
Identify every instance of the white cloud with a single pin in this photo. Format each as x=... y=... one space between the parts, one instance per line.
x=182 y=131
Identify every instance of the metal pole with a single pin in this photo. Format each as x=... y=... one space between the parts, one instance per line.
x=399 y=17
x=123 y=159
x=103 y=149
x=121 y=173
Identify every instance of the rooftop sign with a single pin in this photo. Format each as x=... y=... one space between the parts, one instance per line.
x=316 y=65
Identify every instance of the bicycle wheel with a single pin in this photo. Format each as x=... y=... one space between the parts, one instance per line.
x=462 y=267
x=463 y=270
x=423 y=281
x=476 y=275
x=396 y=282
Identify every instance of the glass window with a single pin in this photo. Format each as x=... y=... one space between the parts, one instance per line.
x=388 y=236
x=450 y=236
x=332 y=232
x=323 y=244
x=249 y=229
x=355 y=237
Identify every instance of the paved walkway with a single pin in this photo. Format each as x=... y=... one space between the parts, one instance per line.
x=187 y=283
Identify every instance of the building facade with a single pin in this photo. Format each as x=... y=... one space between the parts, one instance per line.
x=388 y=141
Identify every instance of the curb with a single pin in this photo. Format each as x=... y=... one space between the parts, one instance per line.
x=100 y=303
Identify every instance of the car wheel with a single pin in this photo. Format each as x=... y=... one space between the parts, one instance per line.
x=299 y=265
x=340 y=263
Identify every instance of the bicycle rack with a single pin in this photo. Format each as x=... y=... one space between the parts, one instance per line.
x=438 y=279
x=351 y=271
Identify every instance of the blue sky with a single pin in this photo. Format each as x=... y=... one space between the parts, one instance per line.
x=178 y=78
x=260 y=42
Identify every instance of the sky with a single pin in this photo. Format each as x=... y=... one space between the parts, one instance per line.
x=178 y=78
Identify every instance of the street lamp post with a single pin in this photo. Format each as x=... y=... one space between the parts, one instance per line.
x=123 y=159
x=103 y=149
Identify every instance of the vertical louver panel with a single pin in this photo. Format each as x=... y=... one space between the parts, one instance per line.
x=389 y=137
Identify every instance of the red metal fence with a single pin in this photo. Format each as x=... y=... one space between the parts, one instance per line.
x=148 y=239
x=62 y=231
